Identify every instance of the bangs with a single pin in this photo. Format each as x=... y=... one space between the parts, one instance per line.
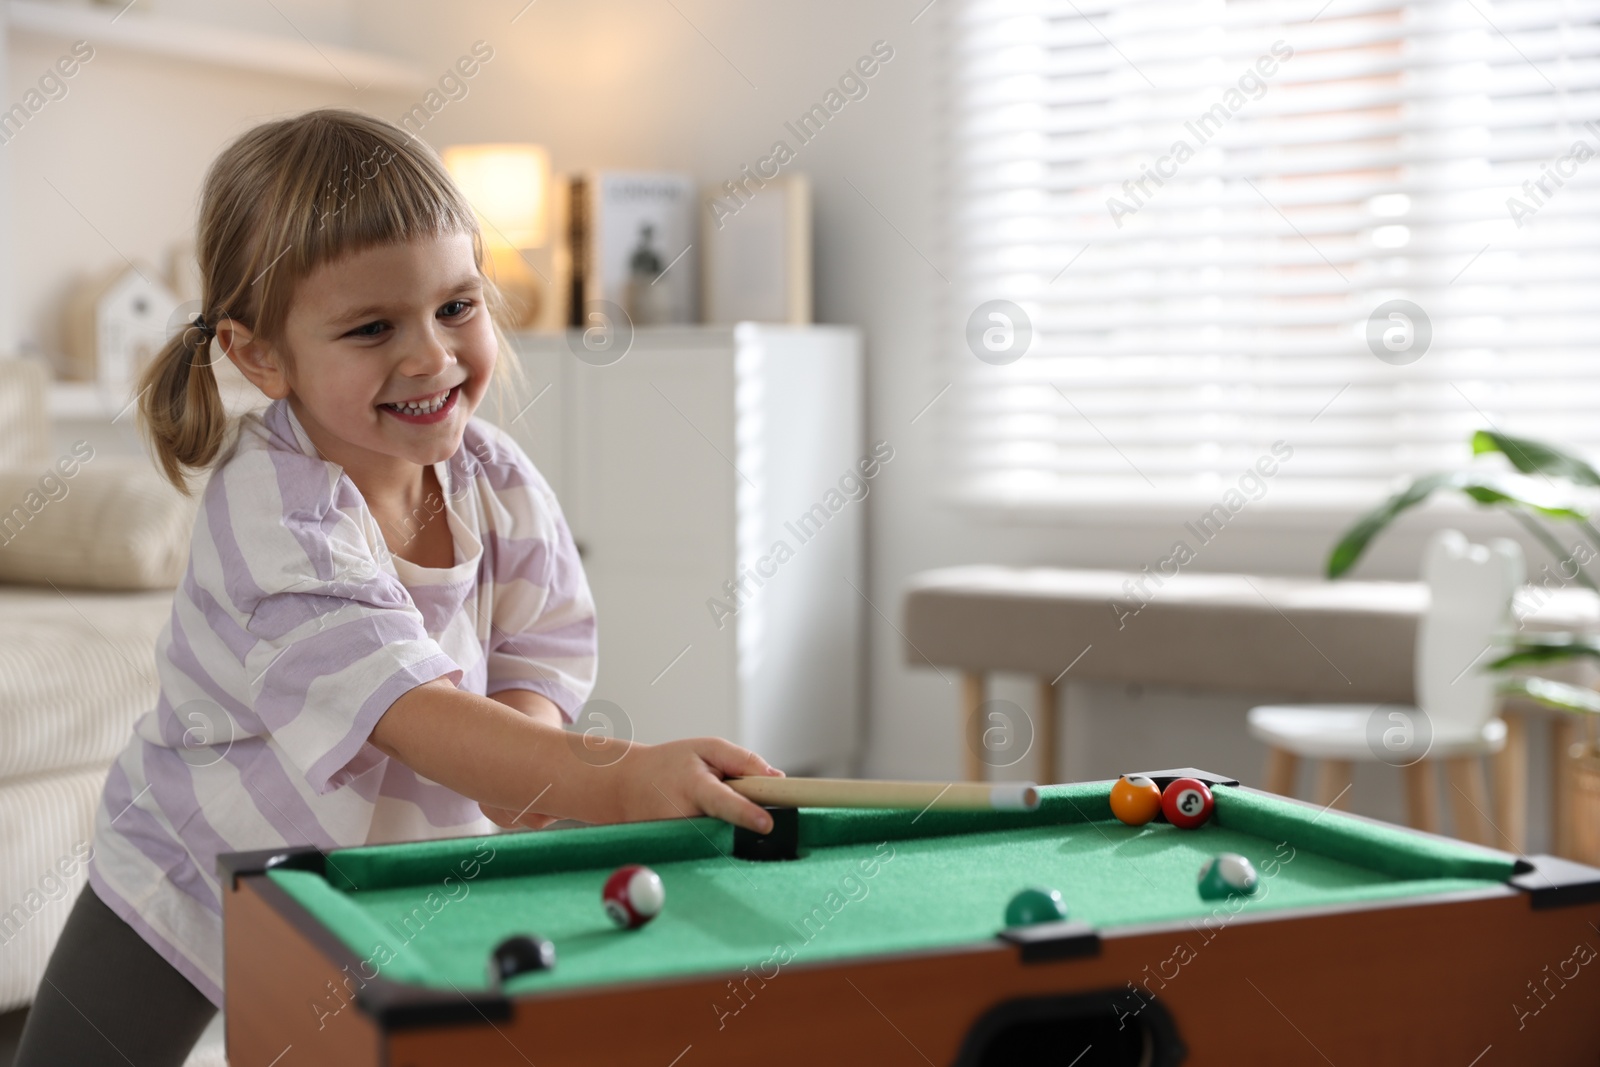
x=344 y=183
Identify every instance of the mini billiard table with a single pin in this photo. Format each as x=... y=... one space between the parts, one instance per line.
x=883 y=941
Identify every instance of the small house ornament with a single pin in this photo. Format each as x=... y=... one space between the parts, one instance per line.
x=117 y=323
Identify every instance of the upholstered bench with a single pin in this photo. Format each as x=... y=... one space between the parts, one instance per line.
x=1285 y=638
x=91 y=547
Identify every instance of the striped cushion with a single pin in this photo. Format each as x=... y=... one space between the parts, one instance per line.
x=24 y=413
x=113 y=523
x=46 y=823
x=76 y=670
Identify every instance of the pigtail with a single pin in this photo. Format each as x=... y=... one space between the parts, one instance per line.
x=181 y=411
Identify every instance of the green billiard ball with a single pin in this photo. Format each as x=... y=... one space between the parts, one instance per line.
x=1036 y=905
x=1227 y=875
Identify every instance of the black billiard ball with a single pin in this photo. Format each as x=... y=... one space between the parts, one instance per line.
x=520 y=954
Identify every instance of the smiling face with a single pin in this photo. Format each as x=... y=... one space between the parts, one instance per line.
x=391 y=351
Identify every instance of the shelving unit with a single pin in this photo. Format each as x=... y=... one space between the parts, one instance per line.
x=83 y=402
x=91 y=402
x=216 y=45
x=681 y=468
x=107 y=27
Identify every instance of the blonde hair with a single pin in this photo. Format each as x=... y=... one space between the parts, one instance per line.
x=281 y=200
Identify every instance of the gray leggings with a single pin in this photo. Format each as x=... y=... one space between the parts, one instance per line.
x=109 y=998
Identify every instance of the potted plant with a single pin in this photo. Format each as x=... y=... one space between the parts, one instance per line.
x=1545 y=486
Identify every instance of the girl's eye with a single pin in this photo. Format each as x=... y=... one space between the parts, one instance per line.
x=460 y=306
x=371 y=329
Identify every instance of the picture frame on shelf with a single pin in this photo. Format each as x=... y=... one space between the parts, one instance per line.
x=757 y=262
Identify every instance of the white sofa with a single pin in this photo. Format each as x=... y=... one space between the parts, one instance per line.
x=91 y=548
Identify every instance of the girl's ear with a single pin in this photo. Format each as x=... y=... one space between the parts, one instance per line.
x=255 y=360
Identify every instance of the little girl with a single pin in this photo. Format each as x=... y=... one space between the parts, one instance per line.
x=384 y=623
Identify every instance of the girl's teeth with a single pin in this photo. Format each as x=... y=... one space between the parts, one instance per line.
x=426 y=407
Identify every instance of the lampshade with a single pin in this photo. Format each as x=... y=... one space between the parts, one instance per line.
x=508 y=185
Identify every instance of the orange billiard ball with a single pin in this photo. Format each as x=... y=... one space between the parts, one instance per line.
x=1135 y=799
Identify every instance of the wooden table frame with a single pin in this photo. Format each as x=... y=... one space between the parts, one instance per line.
x=1374 y=983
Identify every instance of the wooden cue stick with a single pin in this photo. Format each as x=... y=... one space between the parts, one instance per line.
x=866 y=793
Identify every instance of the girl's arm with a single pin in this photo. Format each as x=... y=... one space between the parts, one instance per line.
x=539 y=708
x=535 y=706
x=501 y=758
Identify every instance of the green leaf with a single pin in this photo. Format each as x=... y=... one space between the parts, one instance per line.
x=1535 y=457
x=1493 y=487
x=1535 y=649
x=1553 y=694
x=1485 y=487
x=1358 y=537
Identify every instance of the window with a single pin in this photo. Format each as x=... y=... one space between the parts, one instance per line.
x=1361 y=228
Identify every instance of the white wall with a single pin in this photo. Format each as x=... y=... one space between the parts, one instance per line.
x=111 y=172
x=637 y=84
x=705 y=86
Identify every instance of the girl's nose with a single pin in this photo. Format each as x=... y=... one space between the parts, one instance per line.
x=426 y=356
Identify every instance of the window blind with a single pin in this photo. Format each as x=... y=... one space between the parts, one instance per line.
x=1188 y=309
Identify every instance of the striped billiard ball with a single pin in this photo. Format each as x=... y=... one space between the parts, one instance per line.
x=1227 y=875
x=633 y=896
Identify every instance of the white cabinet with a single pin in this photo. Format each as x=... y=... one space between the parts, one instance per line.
x=713 y=478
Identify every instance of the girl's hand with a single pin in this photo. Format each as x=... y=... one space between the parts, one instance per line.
x=507 y=819
x=684 y=778
x=499 y=755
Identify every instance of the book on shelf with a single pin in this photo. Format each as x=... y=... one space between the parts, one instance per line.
x=631 y=238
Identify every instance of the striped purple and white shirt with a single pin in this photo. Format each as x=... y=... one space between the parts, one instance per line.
x=292 y=633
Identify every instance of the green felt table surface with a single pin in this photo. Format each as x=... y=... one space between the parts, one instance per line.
x=867 y=882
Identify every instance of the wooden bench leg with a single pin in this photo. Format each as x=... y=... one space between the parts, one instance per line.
x=972 y=687
x=1044 y=732
x=1334 y=778
x=1469 y=798
x=1281 y=767
x=1511 y=786
x=1564 y=733
x=1422 y=796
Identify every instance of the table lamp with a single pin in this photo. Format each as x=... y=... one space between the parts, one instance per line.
x=508 y=186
